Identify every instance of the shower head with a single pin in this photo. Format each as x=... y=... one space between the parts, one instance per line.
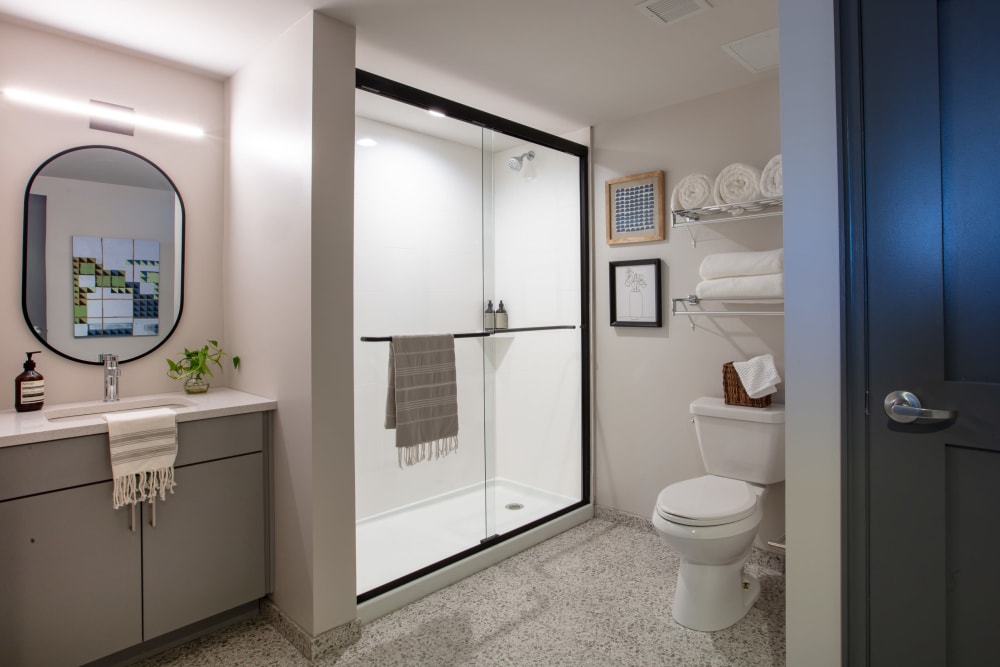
x=517 y=162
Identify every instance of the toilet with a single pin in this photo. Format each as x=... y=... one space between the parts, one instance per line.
x=712 y=521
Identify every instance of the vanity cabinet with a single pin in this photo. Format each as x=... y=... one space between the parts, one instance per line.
x=77 y=583
x=70 y=577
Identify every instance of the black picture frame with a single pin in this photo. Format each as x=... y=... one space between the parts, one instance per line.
x=634 y=294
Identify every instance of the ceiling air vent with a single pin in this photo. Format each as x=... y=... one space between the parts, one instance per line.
x=757 y=52
x=667 y=12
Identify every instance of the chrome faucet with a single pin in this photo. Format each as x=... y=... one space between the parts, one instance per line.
x=112 y=374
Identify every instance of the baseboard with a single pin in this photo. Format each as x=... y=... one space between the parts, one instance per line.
x=327 y=644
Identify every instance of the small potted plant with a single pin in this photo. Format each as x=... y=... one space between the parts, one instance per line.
x=194 y=367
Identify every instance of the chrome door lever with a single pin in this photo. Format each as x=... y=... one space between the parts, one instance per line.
x=904 y=407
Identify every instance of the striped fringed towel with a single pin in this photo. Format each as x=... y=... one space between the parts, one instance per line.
x=422 y=401
x=143 y=449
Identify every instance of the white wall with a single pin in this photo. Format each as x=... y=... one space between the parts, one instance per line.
x=813 y=330
x=418 y=269
x=288 y=282
x=645 y=378
x=58 y=65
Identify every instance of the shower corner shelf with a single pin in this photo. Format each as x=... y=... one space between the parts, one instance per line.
x=710 y=215
x=693 y=300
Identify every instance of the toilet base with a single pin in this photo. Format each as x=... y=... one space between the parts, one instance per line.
x=713 y=597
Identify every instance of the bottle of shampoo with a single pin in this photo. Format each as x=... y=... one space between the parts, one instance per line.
x=29 y=387
x=489 y=321
x=501 y=316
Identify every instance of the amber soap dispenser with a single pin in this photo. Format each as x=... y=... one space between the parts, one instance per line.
x=29 y=387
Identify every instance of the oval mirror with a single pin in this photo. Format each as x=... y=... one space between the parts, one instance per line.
x=103 y=254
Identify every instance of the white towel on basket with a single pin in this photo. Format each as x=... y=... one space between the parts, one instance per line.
x=770 y=286
x=143 y=446
x=694 y=191
x=758 y=375
x=737 y=183
x=771 y=184
x=730 y=264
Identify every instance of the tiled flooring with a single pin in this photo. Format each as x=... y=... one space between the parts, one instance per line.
x=597 y=595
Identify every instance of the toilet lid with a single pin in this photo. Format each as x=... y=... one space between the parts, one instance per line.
x=707 y=501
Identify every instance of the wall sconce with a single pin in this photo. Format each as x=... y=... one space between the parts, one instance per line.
x=102 y=111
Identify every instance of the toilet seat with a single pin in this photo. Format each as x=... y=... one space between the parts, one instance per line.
x=707 y=501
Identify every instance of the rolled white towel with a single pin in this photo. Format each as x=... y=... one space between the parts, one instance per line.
x=769 y=286
x=694 y=191
x=731 y=264
x=758 y=375
x=736 y=184
x=770 y=178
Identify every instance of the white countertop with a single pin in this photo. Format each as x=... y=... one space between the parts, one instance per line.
x=22 y=428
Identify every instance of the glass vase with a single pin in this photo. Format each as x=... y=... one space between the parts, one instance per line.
x=196 y=385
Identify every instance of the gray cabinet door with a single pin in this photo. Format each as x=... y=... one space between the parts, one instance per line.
x=206 y=553
x=69 y=578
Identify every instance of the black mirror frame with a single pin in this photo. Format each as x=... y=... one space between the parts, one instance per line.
x=24 y=253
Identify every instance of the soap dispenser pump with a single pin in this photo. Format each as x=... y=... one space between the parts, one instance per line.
x=29 y=387
x=489 y=318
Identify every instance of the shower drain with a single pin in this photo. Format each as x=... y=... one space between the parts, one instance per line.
x=514 y=506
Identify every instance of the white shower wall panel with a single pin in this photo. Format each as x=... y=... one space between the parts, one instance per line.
x=538 y=374
x=418 y=269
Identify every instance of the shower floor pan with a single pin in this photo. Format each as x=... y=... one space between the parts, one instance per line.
x=393 y=544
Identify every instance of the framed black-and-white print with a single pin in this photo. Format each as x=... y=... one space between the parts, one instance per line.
x=634 y=206
x=635 y=293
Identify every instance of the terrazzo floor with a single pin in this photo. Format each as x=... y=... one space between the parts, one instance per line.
x=597 y=595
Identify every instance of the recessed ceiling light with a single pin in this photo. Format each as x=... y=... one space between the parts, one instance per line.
x=436 y=113
x=367 y=142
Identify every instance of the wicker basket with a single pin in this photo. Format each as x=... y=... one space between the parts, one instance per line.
x=734 y=392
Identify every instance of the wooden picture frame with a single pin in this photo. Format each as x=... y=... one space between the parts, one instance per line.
x=635 y=293
x=634 y=208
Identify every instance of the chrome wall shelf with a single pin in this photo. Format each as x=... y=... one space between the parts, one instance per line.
x=679 y=306
x=710 y=215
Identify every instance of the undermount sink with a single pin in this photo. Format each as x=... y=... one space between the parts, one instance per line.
x=94 y=408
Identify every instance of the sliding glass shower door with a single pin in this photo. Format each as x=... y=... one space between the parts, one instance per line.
x=445 y=224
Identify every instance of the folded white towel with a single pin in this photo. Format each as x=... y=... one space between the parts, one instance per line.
x=771 y=184
x=694 y=191
x=737 y=183
x=758 y=375
x=730 y=264
x=769 y=286
x=143 y=448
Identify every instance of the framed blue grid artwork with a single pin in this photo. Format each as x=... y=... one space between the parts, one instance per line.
x=634 y=207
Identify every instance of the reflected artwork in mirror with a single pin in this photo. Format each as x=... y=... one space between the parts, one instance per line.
x=102 y=269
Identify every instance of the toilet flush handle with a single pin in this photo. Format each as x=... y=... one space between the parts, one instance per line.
x=904 y=407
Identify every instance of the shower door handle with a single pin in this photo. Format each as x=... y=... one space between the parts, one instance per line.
x=904 y=407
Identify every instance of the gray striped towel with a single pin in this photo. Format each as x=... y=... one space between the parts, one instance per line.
x=422 y=401
x=143 y=449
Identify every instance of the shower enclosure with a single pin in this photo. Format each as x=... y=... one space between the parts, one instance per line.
x=455 y=209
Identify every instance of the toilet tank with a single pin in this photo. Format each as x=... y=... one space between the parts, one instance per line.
x=740 y=442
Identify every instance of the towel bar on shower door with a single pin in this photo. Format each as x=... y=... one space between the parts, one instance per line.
x=476 y=334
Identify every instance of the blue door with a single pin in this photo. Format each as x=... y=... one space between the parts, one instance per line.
x=925 y=550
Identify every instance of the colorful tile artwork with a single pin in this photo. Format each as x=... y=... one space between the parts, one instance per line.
x=116 y=287
x=635 y=209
